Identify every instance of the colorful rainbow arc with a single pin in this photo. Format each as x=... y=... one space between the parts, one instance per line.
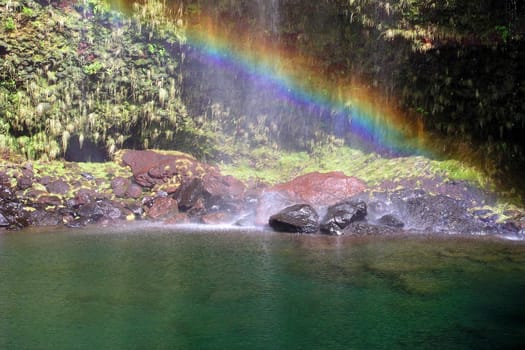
x=386 y=128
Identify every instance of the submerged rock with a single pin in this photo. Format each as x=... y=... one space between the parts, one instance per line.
x=342 y=214
x=299 y=218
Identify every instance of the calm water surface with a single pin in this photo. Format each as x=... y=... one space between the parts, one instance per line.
x=160 y=288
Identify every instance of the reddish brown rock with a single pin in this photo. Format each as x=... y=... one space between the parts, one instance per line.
x=151 y=168
x=218 y=185
x=162 y=207
x=320 y=189
x=316 y=189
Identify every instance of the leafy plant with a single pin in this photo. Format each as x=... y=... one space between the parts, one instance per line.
x=26 y=11
x=93 y=68
x=9 y=24
x=504 y=32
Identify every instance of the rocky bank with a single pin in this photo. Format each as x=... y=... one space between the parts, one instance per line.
x=175 y=188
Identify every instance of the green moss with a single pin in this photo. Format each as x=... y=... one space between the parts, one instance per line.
x=9 y=24
x=272 y=166
x=457 y=170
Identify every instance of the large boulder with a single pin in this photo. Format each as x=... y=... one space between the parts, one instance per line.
x=151 y=168
x=300 y=218
x=317 y=189
x=342 y=214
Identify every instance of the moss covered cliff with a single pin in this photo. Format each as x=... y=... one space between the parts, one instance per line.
x=81 y=79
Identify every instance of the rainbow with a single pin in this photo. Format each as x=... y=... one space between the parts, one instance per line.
x=282 y=71
x=272 y=67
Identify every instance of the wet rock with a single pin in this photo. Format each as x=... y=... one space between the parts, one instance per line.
x=317 y=189
x=299 y=218
x=162 y=207
x=119 y=186
x=247 y=220
x=180 y=218
x=3 y=221
x=391 y=220
x=58 y=187
x=41 y=217
x=342 y=214
x=216 y=218
x=13 y=214
x=428 y=213
x=368 y=229
x=273 y=201
x=438 y=214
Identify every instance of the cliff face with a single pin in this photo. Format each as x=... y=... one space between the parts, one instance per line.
x=86 y=78
x=81 y=79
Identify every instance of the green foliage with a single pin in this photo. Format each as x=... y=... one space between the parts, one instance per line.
x=9 y=24
x=99 y=7
x=26 y=11
x=93 y=68
x=275 y=165
x=504 y=32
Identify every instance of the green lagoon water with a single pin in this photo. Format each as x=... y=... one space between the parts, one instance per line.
x=179 y=288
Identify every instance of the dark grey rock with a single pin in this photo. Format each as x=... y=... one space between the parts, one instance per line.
x=391 y=220
x=299 y=218
x=189 y=194
x=342 y=214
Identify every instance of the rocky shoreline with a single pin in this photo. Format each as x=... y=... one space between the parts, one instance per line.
x=175 y=188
